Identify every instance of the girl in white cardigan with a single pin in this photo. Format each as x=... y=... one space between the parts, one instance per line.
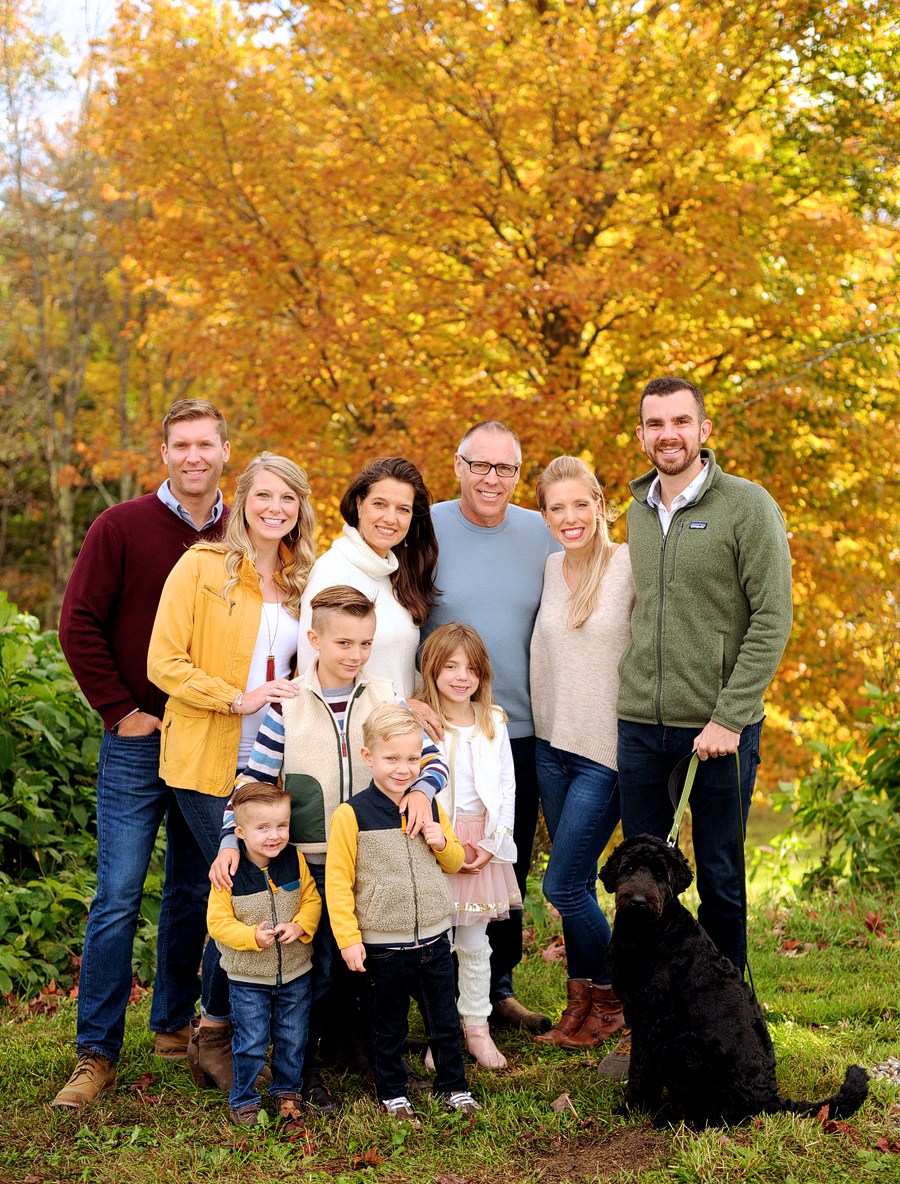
x=480 y=803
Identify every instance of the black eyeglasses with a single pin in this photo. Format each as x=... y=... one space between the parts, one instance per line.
x=482 y=467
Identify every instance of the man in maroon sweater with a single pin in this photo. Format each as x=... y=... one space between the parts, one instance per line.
x=107 y=616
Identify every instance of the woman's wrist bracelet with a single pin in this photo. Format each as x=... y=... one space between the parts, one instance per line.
x=238 y=700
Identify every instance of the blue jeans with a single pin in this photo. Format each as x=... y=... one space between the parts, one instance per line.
x=262 y=1015
x=581 y=807
x=647 y=755
x=132 y=802
x=506 y=936
x=324 y=953
x=426 y=973
x=195 y=849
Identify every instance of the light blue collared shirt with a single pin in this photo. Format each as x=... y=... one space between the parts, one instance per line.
x=168 y=498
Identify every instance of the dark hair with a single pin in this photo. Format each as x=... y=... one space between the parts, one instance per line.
x=413 y=581
x=668 y=385
x=261 y=792
x=339 y=598
x=490 y=425
x=185 y=410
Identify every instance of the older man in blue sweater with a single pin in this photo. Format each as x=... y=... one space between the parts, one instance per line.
x=491 y=572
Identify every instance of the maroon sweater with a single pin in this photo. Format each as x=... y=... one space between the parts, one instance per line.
x=111 y=601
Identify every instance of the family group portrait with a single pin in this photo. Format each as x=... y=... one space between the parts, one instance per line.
x=449 y=592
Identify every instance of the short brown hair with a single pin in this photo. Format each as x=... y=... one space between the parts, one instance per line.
x=261 y=793
x=340 y=598
x=389 y=720
x=668 y=385
x=184 y=410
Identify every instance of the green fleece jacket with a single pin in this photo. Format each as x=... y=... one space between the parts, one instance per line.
x=714 y=609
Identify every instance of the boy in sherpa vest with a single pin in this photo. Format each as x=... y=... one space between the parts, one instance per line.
x=263 y=927
x=312 y=744
x=391 y=909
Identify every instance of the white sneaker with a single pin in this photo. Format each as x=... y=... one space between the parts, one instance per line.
x=400 y=1109
x=462 y=1100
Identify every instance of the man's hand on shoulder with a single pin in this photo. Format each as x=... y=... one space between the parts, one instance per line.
x=715 y=740
x=139 y=723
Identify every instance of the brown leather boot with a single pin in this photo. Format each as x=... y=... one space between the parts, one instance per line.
x=604 y=1018
x=209 y=1056
x=577 y=1008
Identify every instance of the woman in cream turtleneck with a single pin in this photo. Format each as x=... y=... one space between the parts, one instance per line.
x=389 y=552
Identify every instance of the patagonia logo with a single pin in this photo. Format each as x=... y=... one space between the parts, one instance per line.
x=698 y=526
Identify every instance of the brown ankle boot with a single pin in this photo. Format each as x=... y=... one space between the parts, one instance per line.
x=577 y=1008
x=209 y=1056
x=604 y=1018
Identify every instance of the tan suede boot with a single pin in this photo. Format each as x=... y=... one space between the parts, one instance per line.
x=94 y=1076
x=577 y=1008
x=173 y=1045
x=209 y=1056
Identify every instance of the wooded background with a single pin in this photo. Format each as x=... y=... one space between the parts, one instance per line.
x=360 y=226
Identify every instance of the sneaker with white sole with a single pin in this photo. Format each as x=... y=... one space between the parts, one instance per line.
x=616 y=1064
x=462 y=1100
x=400 y=1109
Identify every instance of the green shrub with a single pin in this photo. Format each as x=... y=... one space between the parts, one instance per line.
x=852 y=799
x=49 y=744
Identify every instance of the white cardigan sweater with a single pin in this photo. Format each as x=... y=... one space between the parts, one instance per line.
x=352 y=561
x=495 y=784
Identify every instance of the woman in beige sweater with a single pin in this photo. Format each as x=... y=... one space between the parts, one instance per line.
x=581 y=631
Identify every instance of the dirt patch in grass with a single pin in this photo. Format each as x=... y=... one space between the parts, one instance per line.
x=634 y=1149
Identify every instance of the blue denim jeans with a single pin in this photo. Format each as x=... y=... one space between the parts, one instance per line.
x=647 y=755
x=581 y=807
x=392 y=977
x=506 y=936
x=262 y=1015
x=132 y=802
x=195 y=849
x=324 y=953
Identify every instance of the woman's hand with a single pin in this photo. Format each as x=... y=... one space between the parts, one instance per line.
x=428 y=718
x=275 y=691
x=482 y=857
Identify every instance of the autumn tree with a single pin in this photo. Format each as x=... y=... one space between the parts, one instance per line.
x=389 y=219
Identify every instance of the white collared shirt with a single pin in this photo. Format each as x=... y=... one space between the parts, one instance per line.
x=687 y=495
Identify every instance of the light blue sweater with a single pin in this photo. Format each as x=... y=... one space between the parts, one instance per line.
x=491 y=578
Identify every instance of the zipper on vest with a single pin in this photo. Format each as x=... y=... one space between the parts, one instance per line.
x=346 y=732
x=659 y=621
x=415 y=895
x=278 y=981
x=339 y=736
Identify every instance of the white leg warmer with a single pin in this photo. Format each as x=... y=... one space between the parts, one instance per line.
x=474 y=1001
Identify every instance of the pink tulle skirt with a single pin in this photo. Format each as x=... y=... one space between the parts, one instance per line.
x=493 y=892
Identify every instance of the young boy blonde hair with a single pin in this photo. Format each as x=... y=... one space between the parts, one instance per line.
x=387 y=721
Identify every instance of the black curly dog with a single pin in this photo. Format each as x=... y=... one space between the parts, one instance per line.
x=696 y=1030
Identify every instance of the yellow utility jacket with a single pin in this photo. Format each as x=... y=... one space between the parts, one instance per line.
x=200 y=653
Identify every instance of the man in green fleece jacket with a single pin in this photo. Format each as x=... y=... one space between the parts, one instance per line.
x=712 y=568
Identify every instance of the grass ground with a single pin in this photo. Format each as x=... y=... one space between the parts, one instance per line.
x=827 y=974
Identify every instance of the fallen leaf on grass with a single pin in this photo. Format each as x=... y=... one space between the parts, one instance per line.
x=450 y=1178
x=563 y=1102
x=142 y=1083
x=368 y=1159
x=892 y=1145
x=586 y=1122
x=31 y=1180
x=874 y=923
x=300 y=1132
x=556 y=949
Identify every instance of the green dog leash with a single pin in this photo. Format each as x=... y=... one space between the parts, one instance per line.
x=681 y=803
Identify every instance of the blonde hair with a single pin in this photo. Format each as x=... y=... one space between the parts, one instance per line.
x=584 y=596
x=389 y=720
x=438 y=650
x=300 y=540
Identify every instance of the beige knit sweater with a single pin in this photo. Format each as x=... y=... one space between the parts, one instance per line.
x=574 y=672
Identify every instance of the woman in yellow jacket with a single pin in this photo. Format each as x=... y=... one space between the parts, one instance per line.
x=222 y=648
